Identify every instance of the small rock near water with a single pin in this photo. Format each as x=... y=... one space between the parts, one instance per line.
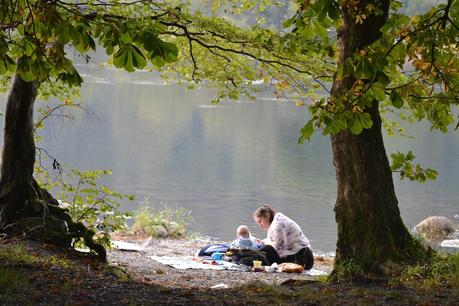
x=435 y=228
x=160 y=231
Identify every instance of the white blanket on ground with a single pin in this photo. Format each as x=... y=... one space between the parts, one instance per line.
x=198 y=263
x=189 y=263
x=127 y=246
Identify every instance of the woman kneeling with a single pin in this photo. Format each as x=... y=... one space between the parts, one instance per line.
x=285 y=241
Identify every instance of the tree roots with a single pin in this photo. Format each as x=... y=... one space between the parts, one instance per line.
x=40 y=218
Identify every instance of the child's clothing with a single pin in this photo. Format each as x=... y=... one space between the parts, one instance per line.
x=246 y=243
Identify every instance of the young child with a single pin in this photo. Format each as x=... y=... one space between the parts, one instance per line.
x=245 y=240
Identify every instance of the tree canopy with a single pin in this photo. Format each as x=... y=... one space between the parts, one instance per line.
x=166 y=35
x=37 y=35
x=412 y=68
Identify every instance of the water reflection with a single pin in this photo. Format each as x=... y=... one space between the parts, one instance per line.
x=221 y=162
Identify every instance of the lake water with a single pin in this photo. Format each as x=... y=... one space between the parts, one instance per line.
x=223 y=161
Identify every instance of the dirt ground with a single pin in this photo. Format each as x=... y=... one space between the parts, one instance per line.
x=144 y=268
x=33 y=273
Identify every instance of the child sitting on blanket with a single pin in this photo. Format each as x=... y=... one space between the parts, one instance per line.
x=245 y=240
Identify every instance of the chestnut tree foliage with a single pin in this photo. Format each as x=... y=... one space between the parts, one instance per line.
x=38 y=37
x=386 y=61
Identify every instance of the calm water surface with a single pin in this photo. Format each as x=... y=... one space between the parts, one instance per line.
x=222 y=161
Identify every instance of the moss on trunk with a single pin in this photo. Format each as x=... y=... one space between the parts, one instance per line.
x=372 y=239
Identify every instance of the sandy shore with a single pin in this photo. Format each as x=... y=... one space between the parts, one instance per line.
x=142 y=267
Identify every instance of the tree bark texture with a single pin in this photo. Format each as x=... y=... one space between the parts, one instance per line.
x=372 y=239
x=18 y=157
x=24 y=206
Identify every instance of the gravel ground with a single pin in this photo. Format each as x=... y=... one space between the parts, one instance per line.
x=141 y=267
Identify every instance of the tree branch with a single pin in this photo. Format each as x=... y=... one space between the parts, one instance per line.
x=190 y=43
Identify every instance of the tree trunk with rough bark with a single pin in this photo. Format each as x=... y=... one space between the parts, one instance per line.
x=372 y=239
x=26 y=208
x=18 y=159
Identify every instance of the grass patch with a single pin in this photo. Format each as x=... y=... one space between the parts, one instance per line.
x=164 y=222
x=442 y=271
x=23 y=271
x=13 y=283
x=19 y=255
x=57 y=261
x=321 y=279
x=120 y=274
x=278 y=295
x=11 y=279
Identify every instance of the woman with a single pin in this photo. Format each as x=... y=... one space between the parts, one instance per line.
x=285 y=241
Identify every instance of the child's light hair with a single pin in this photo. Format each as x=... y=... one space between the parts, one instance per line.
x=243 y=231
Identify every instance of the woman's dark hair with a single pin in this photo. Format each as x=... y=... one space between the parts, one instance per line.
x=265 y=211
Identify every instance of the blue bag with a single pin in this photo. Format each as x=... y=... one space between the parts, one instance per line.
x=209 y=249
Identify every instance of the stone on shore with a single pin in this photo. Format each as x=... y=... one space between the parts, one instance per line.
x=435 y=228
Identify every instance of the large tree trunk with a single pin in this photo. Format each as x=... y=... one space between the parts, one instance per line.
x=372 y=239
x=18 y=159
x=26 y=208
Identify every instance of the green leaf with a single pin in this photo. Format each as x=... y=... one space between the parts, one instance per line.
x=21 y=29
x=129 y=66
x=139 y=60
x=318 y=29
x=356 y=127
x=326 y=8
x=157 y=61
x=63 y=33
x=289 y=22
x=28 y=47
x=120 y=57
x=364 y=69
x=306 y=132
x=152 y=43
x=334 y=11
x=380 y=62
x=91 y=42
x=170 y=51
x=365 y=120
x=3 y=69
x=25 y=69
x=396 y=99
x=348 y=67
x=126 y=37
x=378 y=92
x=129 y=57
x=334 y=128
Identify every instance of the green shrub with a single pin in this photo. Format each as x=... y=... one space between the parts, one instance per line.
x=88 y=201
x=163 y=222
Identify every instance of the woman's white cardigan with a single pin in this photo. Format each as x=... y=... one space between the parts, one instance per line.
x=286 y=236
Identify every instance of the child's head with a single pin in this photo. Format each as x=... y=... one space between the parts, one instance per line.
x=243 y=231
